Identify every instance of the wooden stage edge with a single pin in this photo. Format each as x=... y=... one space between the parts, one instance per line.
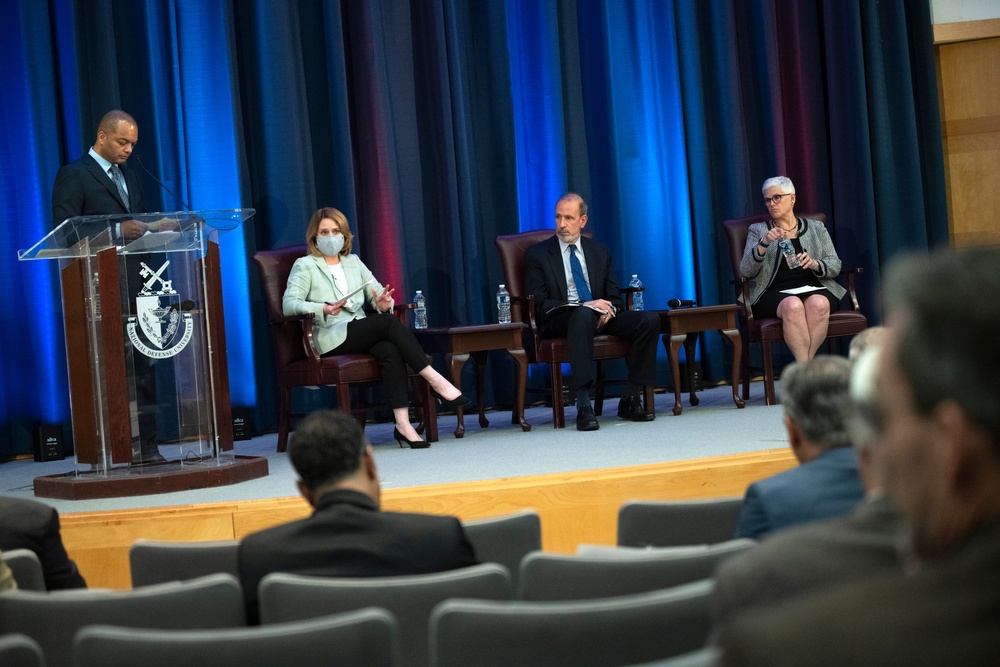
x=575 y=508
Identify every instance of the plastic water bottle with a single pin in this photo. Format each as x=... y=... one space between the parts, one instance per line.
x=637 y=301
x=788 y=250
x=421 y=310
x=503 y=305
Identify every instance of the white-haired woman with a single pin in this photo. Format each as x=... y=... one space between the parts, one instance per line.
x=805 y=315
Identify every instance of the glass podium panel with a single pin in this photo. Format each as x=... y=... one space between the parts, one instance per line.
x=145 y=345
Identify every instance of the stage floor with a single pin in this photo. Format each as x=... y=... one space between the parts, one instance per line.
x=713 y=428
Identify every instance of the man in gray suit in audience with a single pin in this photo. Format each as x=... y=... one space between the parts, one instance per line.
x=938 y=411
x=816 y=399
x=347 y=534
x=808 y=558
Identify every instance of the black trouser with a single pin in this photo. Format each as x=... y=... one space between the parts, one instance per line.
x=579 y=326
x=384 y=337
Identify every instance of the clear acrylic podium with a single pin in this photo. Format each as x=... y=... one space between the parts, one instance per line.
x=146 y=354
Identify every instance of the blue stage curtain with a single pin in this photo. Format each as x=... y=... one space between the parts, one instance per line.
x=437 y=124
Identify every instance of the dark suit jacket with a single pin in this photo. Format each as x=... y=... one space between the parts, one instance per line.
x=809 y=558
x=545 y=277
x=27 y=524
x=826 y=487
x=347 y=536
x=83 y=188
x=943 y=614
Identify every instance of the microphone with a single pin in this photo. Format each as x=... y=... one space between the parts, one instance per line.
x=681 y=303
x=159 y=182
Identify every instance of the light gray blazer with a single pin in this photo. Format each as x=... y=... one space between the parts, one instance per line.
x=310 y=285
x=815 y=240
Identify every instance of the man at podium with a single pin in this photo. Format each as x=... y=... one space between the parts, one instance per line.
x=100 y=183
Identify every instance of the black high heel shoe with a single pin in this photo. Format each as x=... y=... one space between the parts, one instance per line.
x=460 y=401
x=414 y=444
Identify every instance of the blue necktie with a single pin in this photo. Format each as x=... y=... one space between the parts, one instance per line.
x=582 y=288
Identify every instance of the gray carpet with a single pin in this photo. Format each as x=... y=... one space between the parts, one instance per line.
x=713 y=428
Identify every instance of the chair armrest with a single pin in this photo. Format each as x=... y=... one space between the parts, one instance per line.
x=308 y=341
x=535 y=334
x=742 y=286
x=400 y=309
x=629 y=294
x=849 y=273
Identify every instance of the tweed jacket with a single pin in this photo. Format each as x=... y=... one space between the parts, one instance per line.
x=310 y=285
x=815 y=240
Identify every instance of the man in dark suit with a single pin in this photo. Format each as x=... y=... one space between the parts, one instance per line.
x=100 y=183
x=572 y=280
x=939 y=445
x=347 y=535
x=815 y=395
x=809 y=558
x=88 y=186
x=27 y=524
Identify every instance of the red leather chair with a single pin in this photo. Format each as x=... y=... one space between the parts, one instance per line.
x=554 y=351
x=768 y=330
x=299 y=363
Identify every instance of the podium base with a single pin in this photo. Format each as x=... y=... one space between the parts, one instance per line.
x=157 y=479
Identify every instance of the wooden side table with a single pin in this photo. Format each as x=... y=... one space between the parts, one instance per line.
x=459 y=343
x=682 y=325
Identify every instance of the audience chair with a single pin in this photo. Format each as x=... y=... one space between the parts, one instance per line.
x=609 y=573
x=26 y=568
x=670 y=523
x=17 y=650
x=364 y=638
x=554 y=351
x=155 y=562
x=299 y=363
x=592 y=633
x=506 y=539
x=52 y=619
x=289 y=597
x=844 y=322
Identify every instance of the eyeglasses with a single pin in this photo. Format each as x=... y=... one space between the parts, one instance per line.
x=776 y=199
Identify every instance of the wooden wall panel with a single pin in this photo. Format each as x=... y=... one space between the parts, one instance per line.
x=969 y=89
x=575 y=508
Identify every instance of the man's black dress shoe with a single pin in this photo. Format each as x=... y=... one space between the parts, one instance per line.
x=630 y=408
x=586 y=420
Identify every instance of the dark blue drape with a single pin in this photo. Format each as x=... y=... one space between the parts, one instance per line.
x=436 y=125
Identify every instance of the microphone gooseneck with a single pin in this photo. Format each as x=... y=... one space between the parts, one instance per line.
x=160 y=183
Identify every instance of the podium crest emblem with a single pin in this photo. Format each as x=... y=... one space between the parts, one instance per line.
x=158 y=316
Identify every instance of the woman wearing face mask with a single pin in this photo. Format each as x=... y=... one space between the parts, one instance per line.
x=322 y=282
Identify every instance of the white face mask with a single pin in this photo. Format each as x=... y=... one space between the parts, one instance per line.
x=330 y=245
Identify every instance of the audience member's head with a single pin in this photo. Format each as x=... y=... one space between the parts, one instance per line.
x=938 y=395
x=870 y=337
x=328 y=451
x=815 y=395
x=864 y=423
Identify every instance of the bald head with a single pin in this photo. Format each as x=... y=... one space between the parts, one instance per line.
x=117 y=135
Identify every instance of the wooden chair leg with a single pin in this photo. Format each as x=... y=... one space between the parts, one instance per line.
x=745 y=368
x=769 y=395
x=284 y=416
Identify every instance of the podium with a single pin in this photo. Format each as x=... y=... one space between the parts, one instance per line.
x=146 y=355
